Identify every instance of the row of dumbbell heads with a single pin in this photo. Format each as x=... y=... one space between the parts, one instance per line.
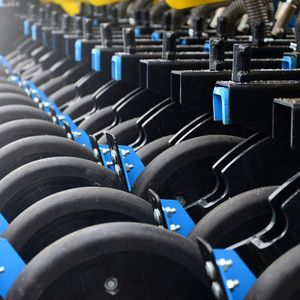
x=52 y=187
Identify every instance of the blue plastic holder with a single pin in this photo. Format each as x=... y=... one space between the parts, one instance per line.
x=176 y=217
x=96 y=59
x=11 y=265
x=78 y=50
x=34 y=32
x=236 y=276
x=3 y=224
x=137 y=31
x=289 y=62
x=183 y=42
x=156 y=35
x=206 y=47
x=95 y=22
x=221 y=105
x=116 y=67
x=26 y=27
x=5 y=63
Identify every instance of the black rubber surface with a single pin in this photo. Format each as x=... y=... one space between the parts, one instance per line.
x=126 y=133
x=280 y=280
x=64 y=94
x=151 y=150
x=41 y=77
x=62 y=213
x=9 y=88
x=80 y=107
x=23 y=151
x=52 y=85
x=236 y=219
x=13 y=98
x=39 y=179
x=185 y=169
x=14 y=130
x=140 y=256
x=17 y=112
x=98 y=120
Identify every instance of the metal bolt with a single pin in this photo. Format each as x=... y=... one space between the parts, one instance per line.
x=231 y=284
x=61 y=118
x=118 y=170
x=216 y=289
x=225 y=264
x=2 y=270
x=170 y=211
x=174 y=227
x=77 y=134
x=125 y=152
x=105 y=150
x=113 y=155
x=69 y=136
x=46 y=104
x=96 y=153
x=129 y=167
x=111 y=285
x=54 y=120
x=109 y=163
x=210 y=270
x=157 y=216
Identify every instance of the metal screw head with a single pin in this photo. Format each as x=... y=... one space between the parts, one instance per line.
x=225 y=264
x=111 y=285
x=2 y=270
x=157 y=216
x=231 y=284
x=69 y=136
x=216 y=290
x=174 y=227
x=113 y=155
x=210 y=270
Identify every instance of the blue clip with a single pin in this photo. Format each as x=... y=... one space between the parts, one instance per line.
x=116 y=67
x=183 y=42
x=44 y=38
x=11 y=265
x=34 y=32
x=221 y=105
x=236 y=276
x=176 y=217
x=206 y=47
x=96 y=59
x=137 y=31
x=288 y=62
x=3 y=224
x=78 y=50
x=26 y=27
x=95 y=22
x=156 y=35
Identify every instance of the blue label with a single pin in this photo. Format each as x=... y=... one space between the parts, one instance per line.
x=96 y=63
x=116 y=67
x=26 y=27
x=78 y=50
x=34 y=32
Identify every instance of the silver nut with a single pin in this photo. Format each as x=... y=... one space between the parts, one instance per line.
x=216 y=289
x=111 y=285
x=210 y=270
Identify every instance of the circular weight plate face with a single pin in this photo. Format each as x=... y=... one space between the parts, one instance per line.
x=62 y=213
x=127 y=260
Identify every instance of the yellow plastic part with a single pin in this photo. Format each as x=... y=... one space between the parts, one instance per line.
x=104 y=2
x=181 y=4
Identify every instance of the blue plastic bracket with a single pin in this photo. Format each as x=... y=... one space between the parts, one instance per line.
x=26 y=27
x=34 y=32
x=221 y=105
x=11 y=265
x=156 y=35
x=78 y=50
x=96 y=59
x=237 y=277
x=176 y=217
x=137 y=31
x=289 y=62
x=3 y=224
x=116 y=67
x=206 y=47
x=5 y=63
